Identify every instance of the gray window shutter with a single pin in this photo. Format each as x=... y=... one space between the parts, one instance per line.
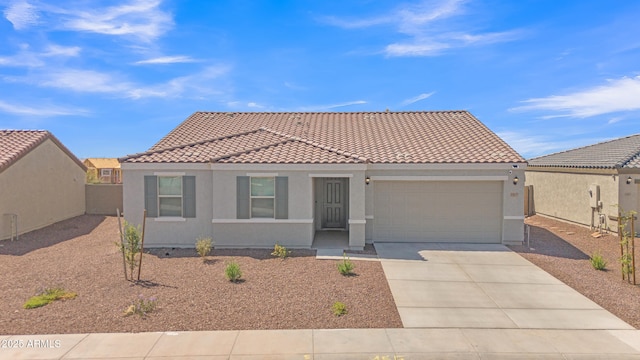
x=151 y=195
x=282 y=197
x=243 y=200
x=189 y=196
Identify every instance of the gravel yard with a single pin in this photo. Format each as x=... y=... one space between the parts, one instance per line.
x=80 y=255
x=563 y=250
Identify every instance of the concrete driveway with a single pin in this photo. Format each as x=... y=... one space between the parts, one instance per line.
x=483 y=286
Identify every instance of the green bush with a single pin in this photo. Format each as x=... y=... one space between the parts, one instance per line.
x=47 y=296
x=345 y=267
x=131 y=246
x=280 y=251
x=233 y=272
x=204 y=246
x=339 y=308
x=597 y=261
x=141 y=306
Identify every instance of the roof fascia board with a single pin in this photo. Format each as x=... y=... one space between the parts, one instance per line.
x=460 y=166
x=572 y=170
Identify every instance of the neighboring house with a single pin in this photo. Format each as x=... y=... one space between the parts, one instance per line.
x=104 y=170
x=254 y=179
x=41 y=181
x=590 y=184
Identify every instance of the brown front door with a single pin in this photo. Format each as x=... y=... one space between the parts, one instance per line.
x=333 y=204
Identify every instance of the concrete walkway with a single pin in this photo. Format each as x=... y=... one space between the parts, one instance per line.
x=392 y=344
x=483 y=286
x=456 y=302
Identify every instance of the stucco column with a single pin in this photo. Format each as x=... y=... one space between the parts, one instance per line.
x=357 y=210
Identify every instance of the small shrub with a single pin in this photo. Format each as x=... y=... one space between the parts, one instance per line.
x=131 y=246
x=47 y=296
x=280 y=251
x=233 y=272
x=345 y=267
x=597 y=261
x=339 y=308
x=141 y=306
x=204 y=246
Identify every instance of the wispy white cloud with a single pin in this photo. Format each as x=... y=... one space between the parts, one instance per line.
x=21 y=14
x=195 y=85
x=137 y=19
x=167 y=60
x=25 y=57
x=41 y=110
x=417 y=98
x=616 y=96
x=83 y=81
x=331 y=106
x=57 y=50
x=91 y=81
x=429 y=28
x=531 y=146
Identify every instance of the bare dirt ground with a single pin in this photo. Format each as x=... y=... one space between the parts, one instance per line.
x=563 y=250
x=80 y=255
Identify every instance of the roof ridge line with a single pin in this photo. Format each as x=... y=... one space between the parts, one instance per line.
x=121 y=159
x=216 y=159
x=588 y=146
x=314 y=144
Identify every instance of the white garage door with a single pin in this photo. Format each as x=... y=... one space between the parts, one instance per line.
x=434 y=211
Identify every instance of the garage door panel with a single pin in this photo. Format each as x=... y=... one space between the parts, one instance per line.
x=438 y=211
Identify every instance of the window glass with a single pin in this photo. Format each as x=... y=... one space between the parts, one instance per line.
x=170 y=196
x=262 y=208
x=262 y=186
x=170 y=206
x=170 y=185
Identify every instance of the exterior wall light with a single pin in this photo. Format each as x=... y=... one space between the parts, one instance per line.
x=515 y=180
x=367 y=180
x=629 y=179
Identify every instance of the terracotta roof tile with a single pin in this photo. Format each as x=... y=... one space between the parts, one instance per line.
x=619 y=153
x=14 y=144
x=376 y=137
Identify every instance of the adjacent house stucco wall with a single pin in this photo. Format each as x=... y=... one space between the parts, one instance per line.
x=43 y=187
x=103 y=199
x=565 y=195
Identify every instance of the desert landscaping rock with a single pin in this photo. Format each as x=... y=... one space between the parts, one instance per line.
x=565 y=255
x=80 y=255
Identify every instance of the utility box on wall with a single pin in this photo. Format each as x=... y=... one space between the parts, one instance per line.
x=594 y=196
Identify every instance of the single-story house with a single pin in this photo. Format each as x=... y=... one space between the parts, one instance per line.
x=41 y=182
x=588 y=185
x=103 y=170
x=256 y=179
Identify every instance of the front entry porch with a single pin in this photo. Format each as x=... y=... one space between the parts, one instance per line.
x=331 y=239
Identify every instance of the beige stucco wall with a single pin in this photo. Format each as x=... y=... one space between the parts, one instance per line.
x=565 y=195
x=43 y=187
x=161 y=232
x=103 y=199
x=216 y=203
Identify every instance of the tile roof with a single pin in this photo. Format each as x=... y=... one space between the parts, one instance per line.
x=331 y=137
x=14 y=144
x=619 y=153
x=102 y=163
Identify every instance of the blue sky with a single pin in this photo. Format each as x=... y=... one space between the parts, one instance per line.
x=110 y=78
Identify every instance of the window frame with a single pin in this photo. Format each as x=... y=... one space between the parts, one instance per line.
x=272 y=197
x=106 y=172
x=171 y=196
